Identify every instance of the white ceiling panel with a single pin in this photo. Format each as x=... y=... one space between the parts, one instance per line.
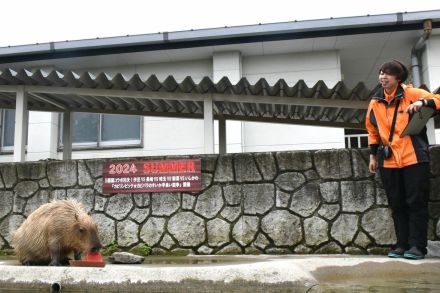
x=326 y=43
x=289 y=46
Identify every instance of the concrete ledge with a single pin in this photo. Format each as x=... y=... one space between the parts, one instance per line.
x=247 y=274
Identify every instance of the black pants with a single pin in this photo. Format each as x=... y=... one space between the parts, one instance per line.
x=407 y=190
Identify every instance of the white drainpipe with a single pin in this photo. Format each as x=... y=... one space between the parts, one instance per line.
x=415 y=68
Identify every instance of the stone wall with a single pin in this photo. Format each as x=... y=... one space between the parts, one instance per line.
x=322 y=201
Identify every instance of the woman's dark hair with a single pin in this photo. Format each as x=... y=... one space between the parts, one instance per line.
x=395 y=68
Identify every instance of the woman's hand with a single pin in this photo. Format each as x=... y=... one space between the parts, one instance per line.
x=415 y=107
x=373 y=164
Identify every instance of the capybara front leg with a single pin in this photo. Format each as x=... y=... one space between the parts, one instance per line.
x=54 y=249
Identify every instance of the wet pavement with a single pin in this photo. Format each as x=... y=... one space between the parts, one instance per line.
x=264 y=273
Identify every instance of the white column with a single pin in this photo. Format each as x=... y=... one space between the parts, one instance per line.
x=67 y=135
x=431 y=77
x=43 y=136
x=208 y=122
x=228 y=64
x=21 y=123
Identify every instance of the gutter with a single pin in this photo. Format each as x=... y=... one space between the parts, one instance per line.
x=415 y=66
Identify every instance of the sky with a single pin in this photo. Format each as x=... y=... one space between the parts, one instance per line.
x=40 y=21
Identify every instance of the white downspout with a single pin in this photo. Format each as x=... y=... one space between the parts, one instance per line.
x=416 y=72
x=415 y=67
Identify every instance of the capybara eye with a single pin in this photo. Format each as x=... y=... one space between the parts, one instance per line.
x=82 y=230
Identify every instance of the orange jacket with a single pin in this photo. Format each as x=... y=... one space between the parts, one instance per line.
x=407 y=150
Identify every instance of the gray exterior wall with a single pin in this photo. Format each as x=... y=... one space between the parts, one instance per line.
x=322 y=201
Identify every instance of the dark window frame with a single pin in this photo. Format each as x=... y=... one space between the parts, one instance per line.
x=5 y=149
x=100 y=144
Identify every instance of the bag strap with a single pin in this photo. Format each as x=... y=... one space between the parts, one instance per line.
x=393 y=124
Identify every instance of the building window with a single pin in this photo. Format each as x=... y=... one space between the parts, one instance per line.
x=85 y=129
x=355 y=139
x=117 y=129
x=7 y=129
x=92 y=130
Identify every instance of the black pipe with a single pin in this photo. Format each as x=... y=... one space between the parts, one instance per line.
x=55 y=287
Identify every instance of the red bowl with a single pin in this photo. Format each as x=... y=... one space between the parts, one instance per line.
x=96 y=256
x=85 y=263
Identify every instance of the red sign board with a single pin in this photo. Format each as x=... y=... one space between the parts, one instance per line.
x=152 y=176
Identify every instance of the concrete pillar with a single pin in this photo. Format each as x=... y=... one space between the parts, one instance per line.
x=67 y=135
x=208 y=122
x=21 y=124
x=228 y=64
x=431 y=77
x=43 y=136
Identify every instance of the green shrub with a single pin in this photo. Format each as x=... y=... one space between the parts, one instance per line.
x=110 y=249
x=142 y=249
x=145 y=249
x=2 y=252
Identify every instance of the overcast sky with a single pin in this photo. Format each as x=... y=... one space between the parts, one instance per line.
x=38 y=21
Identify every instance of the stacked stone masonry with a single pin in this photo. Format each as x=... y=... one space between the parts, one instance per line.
x=300 y=202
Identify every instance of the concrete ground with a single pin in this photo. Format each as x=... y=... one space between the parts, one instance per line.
x=264 y=273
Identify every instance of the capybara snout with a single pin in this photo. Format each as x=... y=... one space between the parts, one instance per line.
x=95 y=244
x=54 y=231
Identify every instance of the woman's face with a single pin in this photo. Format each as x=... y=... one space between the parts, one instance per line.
x=388 y=82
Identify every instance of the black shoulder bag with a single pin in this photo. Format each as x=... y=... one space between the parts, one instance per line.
x=387 y=148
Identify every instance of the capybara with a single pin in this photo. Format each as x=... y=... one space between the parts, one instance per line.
x=53 y=231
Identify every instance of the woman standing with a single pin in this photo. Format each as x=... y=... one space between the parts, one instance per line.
x=403 y=162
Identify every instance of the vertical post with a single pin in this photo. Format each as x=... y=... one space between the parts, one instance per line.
x=229 y=64
x=67 y=135
x=21 y=121
x=208 y=122
x=222 y=135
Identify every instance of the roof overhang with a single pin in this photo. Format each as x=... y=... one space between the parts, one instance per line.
x=222 y=36
x=280 y=103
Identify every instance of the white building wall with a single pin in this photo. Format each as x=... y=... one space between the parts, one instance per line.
x=6 y=158
x=311 y=67
x=42 y=140
x=42 y=135
x=161 y=136
x=171 y=136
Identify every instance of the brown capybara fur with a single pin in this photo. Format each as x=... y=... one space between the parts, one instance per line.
x=53 y=231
